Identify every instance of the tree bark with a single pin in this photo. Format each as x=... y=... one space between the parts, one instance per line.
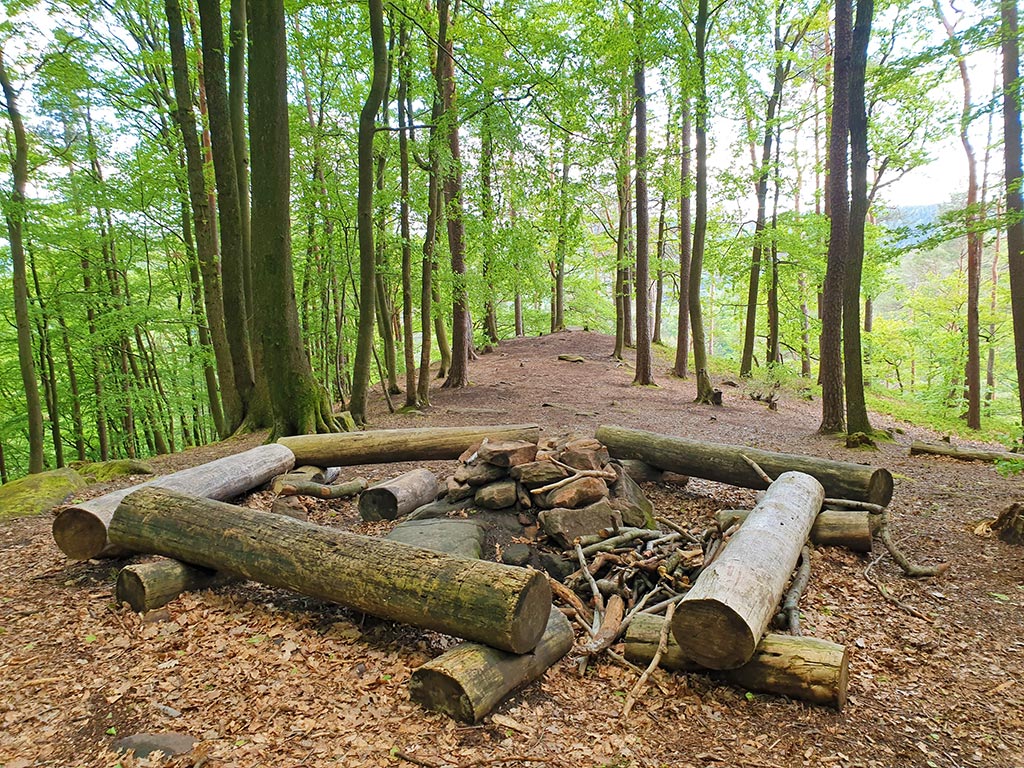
x=80 y=531
x=681 y=367
x=15 y=215
x=804 y=668
x=391 y=445
x=147 y=586
x=722 y=618
x=502 y=606
x=831 y=364
x=644 y=374
x=470 y=680
x=398 y=496
x=919 y=448
x=725 y=464
x=849 y=528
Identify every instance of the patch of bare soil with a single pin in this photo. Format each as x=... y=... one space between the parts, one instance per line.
x=263 y=677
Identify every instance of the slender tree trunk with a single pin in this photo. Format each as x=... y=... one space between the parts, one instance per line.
x=228 y=207
x=206 y=241
x=76 y=397
x=681 y=366
x=700 y=361
x=644 y=359
x=49 y=377
x=404 y=124
x=622 y=190
x=558 y=294
x=659 y=280
x=427 y=287
x=831 y=366
x=15 y=223
x=236 y=106
x=853 y=365
x=487 y=214
x=364 y=214
x=1013 y=177
x=458 y=375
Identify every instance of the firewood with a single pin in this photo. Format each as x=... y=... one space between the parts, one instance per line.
x=725 y=613
x=918 y=448
x=851 y=529
x=81 y=529
x=390 y=499
x=805 y=668
x=724 y=463
x=611 y=623
x=320 y=490
x=503 y=606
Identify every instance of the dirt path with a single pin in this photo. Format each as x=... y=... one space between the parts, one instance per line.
x=264 y=678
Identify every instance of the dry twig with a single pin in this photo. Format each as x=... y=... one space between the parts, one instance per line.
x=662 y=645
x=791 y=605
x=757 y=468
x=892 y=599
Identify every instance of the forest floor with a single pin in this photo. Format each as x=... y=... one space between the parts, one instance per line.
x=262 y=677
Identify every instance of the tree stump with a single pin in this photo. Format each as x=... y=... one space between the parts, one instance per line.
x=398 y=496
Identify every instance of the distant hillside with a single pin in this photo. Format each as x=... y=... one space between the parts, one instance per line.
x=909 y=223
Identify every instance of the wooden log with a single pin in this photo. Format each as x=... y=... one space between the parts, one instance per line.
x=499 y=605
x=81 y=529
x=471 y=679
x=388 y=445
x=805 y=668
x=918 y=448
x=322 y=491
x=150 y=585
x=725 y=464
x=304 y=474
x=398 y=496
x=850 y=528
x=722 y=618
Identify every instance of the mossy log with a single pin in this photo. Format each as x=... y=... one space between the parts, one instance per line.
x=150 y=585
x=471 y=679
x=725 y=464
x=382 y=446
x=81 y=530
x=499 y=605
x=722 y=618
x=918 y=448
x=38 y=493
x=849 y=528
x=805 y=668
x=390 y=499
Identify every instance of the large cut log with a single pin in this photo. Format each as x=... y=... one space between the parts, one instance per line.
x=150 y=585
x=382 y=446
x=722 y=618
x=918 y=448
x=786 y=665
x=850 y=528
x=81 y=529
x=398 y=496
x=499 y=605
x=725 y=464
x=471 y=679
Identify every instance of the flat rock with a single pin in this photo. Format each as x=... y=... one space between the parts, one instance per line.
x=101 y=471
x=585 y=458
x=144 y=744
x=507 y=453
x=38 y=493
x=497 y=495
x=441 y=508
x=557 y=566
x=458 y=491
x=578 y=493
x=289 y=506
x=464 y=538
x=535 y=474
x=479 y=473
x=564 y=525
x=516 y=554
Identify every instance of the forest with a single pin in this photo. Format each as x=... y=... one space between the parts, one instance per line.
x=224 y=218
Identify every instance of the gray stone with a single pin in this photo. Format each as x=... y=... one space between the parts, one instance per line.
x=479 y=473
x=498 y=495
x=565 y=525
x=508 y=453
x=636 y=508
x=461 y=537
x=641 y=471
x=144 y=744
x=440 y=508
x=516 y=554
x=535 y=474
x=557 y=566
x=457 y=491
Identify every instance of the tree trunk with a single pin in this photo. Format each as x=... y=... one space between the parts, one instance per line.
x=236 y=107
x=644 y=374
x=390 y=445
x=206 y=243
x=849 y=528
x=15 y=220
x=831 y=364
x=427 y=286
x=561 y=243
x=727 y=610
x=725 y=464
x=853 y=364
x=681 y=366
x=391 y=499
x=147 y=586
x=804 y=668
x=1013 y=177
x=80 y=531
x=298 y=402
x=471 y=679
x=487 y=214
x=404 y=123
x=919 y=447
x=502 y=606
x=228 y=208
x=659 y=279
